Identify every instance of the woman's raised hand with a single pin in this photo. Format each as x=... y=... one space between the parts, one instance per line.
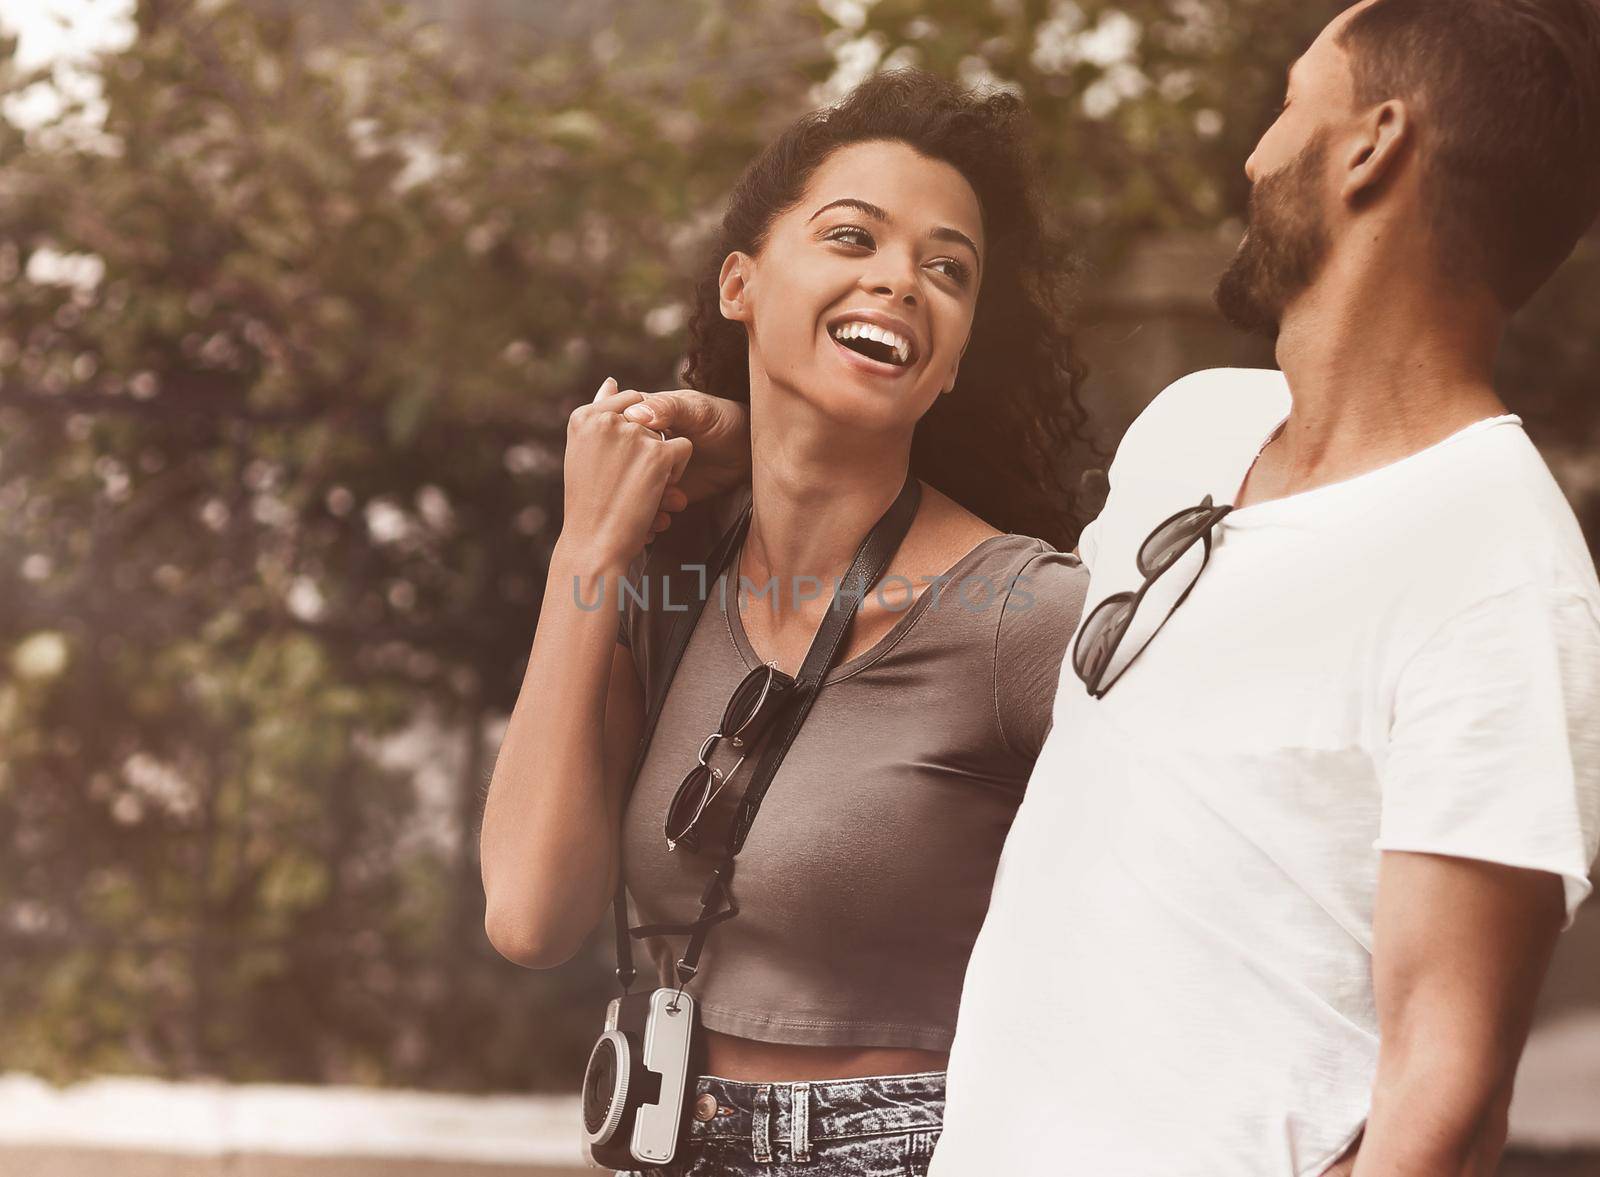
x=719 y=429
x=619 y=478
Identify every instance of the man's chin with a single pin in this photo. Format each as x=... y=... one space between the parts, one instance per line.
x=1242 y=306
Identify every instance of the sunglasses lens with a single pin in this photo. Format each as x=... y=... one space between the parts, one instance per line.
x=688 y=803
x=1169 y=540
x=755 y=701
x=1099 y=637
x=747 y=697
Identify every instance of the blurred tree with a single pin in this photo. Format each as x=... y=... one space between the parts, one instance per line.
x=1146 y=109
x=287 y=343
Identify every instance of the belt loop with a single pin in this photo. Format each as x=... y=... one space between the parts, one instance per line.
x=761 y=1125
x=800 y=1122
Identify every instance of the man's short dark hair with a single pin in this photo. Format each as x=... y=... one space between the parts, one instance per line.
x=1508 y=93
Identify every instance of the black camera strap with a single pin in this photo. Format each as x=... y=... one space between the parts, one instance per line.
x=717 y=903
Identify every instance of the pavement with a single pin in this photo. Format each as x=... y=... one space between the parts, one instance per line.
x=97 y=1163
x=53 y=1161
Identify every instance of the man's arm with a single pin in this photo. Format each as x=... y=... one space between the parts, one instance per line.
x=1460 y=948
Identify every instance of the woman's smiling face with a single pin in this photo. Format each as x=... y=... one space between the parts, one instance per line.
x=861 y=299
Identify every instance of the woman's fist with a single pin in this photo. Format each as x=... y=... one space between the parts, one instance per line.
x=617 y=475
x=719 y=429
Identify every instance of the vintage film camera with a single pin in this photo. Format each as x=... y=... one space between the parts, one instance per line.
x=636 y=1088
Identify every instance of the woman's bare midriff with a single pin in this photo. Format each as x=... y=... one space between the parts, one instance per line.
x=748 y=1061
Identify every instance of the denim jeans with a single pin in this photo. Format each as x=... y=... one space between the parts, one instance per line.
x=883 y=1126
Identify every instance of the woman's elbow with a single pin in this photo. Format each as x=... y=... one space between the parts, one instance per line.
x=525 y=939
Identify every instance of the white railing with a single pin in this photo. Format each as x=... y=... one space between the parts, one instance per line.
x=211 y=1119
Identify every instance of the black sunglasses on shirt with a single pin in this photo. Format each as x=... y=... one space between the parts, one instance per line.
x=1094 y=651
x=759 y=697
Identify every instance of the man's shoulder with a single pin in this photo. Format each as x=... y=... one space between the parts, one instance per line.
x=1493 y=501
x=1267 y=385
x=1200 y=427
x=1214 y=405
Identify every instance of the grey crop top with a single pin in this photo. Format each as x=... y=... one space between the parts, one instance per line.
x=865 y=879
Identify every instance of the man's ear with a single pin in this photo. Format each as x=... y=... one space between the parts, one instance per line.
x=732 y=287
x=1376 y=151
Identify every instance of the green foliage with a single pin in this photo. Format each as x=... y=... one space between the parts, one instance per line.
x=278 y=475
x=1146 y=109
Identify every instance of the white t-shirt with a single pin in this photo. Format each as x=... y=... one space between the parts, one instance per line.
x=1174 y=976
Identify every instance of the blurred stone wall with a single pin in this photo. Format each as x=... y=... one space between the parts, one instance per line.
x=1150 y=319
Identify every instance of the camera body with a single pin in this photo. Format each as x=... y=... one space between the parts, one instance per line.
x=637 y=1084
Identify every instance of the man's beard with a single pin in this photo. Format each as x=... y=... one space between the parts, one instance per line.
x=1283 y=247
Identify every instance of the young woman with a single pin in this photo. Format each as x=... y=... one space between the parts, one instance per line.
x=888 y=300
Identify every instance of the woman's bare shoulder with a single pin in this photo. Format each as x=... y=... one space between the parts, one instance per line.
x=948 y=527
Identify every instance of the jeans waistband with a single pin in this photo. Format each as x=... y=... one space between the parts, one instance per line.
x=799 y=1113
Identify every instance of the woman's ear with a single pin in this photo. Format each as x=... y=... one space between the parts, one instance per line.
x=1375 y=153
x=733 y=289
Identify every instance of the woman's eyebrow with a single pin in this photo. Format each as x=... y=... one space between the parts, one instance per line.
x=871 y=210
x=956 y=235
x=878 y=214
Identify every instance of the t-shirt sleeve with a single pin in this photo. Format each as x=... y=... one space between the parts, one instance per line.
x=1041 y=610
x=1089 y=543
x=1494 y=749
x=1197 y=434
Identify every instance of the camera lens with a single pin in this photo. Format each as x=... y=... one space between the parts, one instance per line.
x=605 y=1086
x=599 y=1086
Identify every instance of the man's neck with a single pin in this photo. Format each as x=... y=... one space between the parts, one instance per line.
x=1380 y=366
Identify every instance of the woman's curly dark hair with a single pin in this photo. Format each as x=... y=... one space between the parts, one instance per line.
x=997 y=444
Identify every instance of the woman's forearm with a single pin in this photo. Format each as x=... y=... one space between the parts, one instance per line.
x=548 y=843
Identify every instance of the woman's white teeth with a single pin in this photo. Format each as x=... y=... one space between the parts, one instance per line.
x=890 y=339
